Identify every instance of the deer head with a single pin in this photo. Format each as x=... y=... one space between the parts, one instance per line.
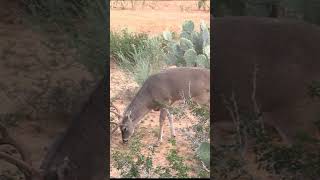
x=125 y=124
x=126 y=127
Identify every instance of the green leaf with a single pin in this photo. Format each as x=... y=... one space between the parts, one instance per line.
x=149 y=164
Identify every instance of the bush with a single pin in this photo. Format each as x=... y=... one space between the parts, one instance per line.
x=176 y=163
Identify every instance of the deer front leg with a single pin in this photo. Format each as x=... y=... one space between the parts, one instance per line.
x=162 y=117
x=170 y=117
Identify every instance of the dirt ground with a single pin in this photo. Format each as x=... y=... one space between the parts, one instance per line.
x=166 y=15
x=153 y=18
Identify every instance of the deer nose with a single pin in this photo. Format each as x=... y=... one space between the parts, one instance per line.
x=125 y=141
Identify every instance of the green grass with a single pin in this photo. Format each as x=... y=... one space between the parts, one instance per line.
x=176 y=162
x=172 y=141
x=132 y=163
x=123 y=43
x=141 y=58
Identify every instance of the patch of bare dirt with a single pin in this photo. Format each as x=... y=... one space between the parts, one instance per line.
x=155 y=17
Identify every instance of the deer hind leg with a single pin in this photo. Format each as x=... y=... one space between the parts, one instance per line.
x=170 y=117
x=163 y=114
x=203 y=99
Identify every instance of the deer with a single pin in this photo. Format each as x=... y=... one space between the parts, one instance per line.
x=77 y=154
x=160 y=91
x=265 y=66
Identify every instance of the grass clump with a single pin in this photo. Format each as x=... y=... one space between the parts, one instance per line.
x=147 y=59
x=176 y=162
x=124 y=42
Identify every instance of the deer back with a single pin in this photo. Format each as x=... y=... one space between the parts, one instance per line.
x=178 y=83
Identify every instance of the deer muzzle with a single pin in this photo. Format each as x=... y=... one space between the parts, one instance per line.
x=125 y=141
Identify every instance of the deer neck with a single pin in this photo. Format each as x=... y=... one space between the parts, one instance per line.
x=139 y=107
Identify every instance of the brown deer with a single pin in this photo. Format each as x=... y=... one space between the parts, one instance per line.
x=164 y=89
x=77 y=154
x=266 y=65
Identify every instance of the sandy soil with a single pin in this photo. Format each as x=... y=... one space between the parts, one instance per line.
x=167 y=15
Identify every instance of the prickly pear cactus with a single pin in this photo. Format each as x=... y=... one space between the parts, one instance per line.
x=191 y=49
x=201 y=61
x=190 y=57
x=188 y=26
x=186 y=44
x=203 y=152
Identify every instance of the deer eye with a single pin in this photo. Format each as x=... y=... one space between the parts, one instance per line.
x=124 y=128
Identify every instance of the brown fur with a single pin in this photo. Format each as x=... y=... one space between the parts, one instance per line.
x=166 y=87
